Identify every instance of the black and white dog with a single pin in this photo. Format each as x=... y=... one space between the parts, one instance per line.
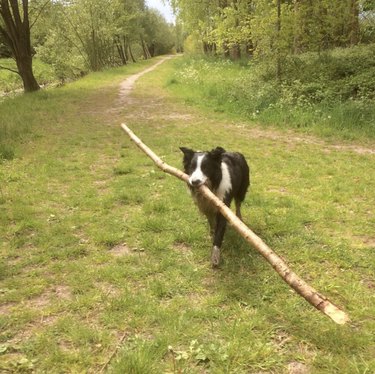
x=226 y=174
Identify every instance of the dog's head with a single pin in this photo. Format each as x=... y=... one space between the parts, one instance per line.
x=202 y=167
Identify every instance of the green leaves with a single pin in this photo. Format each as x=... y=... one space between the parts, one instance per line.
x=272 y=28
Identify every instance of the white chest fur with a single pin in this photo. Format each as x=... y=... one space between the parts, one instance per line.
x=225 y=185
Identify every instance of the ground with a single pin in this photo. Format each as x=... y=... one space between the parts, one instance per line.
x=107 y=261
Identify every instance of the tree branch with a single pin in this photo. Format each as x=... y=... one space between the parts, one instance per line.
x=16 y=12
x=9 y=69
x=316 y=299
x=10 y=27
x=39 y=13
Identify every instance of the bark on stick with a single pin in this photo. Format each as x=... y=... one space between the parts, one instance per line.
x=316 y=299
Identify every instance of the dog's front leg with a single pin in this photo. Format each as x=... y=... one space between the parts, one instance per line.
x=218 y=239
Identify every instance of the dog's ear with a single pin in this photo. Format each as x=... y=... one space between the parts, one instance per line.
x=217 y=153
x=188 y=153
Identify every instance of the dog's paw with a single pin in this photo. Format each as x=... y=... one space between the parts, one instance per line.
x=215 y=256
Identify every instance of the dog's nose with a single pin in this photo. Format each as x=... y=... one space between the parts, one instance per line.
x=196 y=182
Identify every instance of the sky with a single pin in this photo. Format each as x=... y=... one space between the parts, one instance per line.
x=163 y=7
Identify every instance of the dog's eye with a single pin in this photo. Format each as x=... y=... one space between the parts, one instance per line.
x=193 y=166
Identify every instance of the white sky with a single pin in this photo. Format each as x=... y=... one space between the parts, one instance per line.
x=163 y=7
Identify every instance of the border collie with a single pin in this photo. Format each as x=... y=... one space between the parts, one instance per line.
x=226 y=174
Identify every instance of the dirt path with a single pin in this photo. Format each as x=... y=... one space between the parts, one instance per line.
x=127 y=85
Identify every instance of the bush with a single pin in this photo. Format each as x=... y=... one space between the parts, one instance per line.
x=343 y=74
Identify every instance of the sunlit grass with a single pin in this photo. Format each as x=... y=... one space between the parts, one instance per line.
x=77 y=188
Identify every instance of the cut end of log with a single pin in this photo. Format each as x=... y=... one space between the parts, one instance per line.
x=336 y=314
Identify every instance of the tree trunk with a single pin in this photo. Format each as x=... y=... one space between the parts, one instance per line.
x=146 y=52
x=354 y=23
x=126 y=49
x=296 y=28
x=16 y=33
x=235 y=52
x=25 y=68
x=131 y=53
x=278 y=36
x=120 y=50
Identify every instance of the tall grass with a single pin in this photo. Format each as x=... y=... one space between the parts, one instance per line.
x=328 y=95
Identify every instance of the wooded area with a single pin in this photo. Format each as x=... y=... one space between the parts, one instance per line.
x=276 y=27
x=80 y=36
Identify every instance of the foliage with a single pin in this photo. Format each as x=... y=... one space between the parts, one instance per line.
x=86 y=35
x=328 y=91
x=158 y=34
x=89 y=36
x=271 y=28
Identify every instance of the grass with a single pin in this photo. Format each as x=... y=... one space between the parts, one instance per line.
x=23 y=118
x=97 y=244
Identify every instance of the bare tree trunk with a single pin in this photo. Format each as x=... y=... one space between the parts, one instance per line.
x=16 y=33
x=125 y=46
x=296 y=30
x=292 y=279
x=131 y=53
x=354 y=22
x=278 y=36
x=146 y=52
x=120 y=50
x=235 y=52
x=25 y=68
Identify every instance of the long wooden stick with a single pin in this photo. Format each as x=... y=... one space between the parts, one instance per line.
x=316 y=299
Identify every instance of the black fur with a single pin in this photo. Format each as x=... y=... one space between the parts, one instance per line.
x=211 y=174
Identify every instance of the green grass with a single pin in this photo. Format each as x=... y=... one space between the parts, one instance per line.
x=24 y=118
x=77 y=190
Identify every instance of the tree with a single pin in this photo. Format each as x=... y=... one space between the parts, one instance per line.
x=272 y=28
x=157 y=33
x=15 y=29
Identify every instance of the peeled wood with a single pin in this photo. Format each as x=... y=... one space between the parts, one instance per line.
x=319 y=301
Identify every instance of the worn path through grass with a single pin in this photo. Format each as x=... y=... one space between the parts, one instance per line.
x=98 y=245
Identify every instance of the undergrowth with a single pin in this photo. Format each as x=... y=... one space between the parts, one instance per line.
x=328 y=94
x=10 y=81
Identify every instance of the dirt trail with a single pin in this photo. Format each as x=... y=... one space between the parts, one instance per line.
x=127 y=85
x=146 y=107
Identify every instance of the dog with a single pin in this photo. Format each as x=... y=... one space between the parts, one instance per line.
x=227 y=175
